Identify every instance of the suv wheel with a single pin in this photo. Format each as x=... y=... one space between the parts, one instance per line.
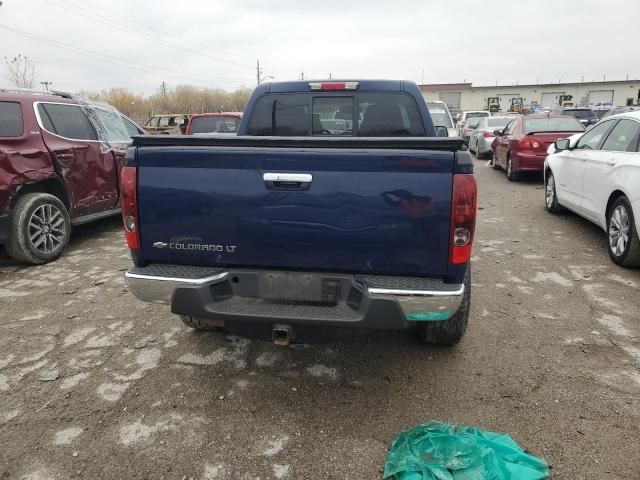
x=448 y=332
x=40 y=229
x=623 y=241
x=550 y=197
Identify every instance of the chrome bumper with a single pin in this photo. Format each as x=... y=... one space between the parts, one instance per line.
x=159 y=288
x=419 y=299
x=421 y=305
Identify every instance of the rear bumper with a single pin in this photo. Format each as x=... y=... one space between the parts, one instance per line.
x=296 y=298
x=530 y=162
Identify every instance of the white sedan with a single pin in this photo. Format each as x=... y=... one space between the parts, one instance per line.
x=597 y=176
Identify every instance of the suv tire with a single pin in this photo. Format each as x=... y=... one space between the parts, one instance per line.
x=620 y=221
x=551 y=204
x=40 y=229
x=448 y=332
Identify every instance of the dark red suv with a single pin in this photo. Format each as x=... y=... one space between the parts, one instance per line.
x=60 y=160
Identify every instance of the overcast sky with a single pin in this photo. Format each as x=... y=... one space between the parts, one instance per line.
x=93 y=44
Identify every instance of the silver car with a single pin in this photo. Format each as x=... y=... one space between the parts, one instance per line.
x=482 y=137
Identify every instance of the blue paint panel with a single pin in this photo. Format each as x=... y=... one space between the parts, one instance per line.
x=368 y=211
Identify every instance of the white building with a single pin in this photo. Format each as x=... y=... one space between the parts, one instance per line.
x=465 y=96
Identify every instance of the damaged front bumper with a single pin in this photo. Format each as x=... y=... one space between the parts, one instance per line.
x=302 y=298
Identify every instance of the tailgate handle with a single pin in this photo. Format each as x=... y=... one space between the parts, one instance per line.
x=287 y=181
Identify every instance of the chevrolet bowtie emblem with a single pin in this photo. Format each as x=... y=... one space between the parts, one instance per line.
x=160 y=245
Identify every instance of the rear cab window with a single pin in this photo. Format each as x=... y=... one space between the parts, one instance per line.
x=217 y=124
x=440 y=115
x=374 y=114
x=11 y=120
x=477 y=114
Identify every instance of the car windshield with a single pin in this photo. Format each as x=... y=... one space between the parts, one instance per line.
x=217 y=124
x=439 y=115
x=498 y=122
x=552 y=124
x=583 y=114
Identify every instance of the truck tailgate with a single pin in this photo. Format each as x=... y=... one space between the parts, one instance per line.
x=353 y=210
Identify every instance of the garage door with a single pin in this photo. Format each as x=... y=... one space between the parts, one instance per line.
x=505 y=100
x=550 y=99
x=452 y=100
x=600 y=96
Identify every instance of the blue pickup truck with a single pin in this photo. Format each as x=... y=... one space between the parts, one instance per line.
x=336 y=207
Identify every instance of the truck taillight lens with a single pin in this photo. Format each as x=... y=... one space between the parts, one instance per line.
x=129 y=206
x=528 y=144
x=463 y=217
x=488 y=135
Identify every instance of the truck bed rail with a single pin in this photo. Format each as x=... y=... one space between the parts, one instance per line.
x=389 y=143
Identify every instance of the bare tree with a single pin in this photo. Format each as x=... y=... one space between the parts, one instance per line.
x=21 y=71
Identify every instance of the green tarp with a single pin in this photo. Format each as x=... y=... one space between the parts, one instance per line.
x=440 y=451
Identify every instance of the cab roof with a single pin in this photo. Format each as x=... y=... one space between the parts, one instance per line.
x=302 y=86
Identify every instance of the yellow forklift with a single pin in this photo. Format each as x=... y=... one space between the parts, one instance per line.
x=516 y=105
x=493 y=104
x=565 y=100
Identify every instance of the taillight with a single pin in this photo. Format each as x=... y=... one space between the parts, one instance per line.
x=463 y=217
x=488 y=135
x=328 y=86
x=129 y=206
x=528 y=144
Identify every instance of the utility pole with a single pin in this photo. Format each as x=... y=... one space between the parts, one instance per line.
x=258 y=71
x=45 y=84
x=330 y=78
x=164 y=89
x=301 y=75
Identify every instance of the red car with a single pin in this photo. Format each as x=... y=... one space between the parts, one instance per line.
x=60 y=160
x=522 y=145
x=213 y=123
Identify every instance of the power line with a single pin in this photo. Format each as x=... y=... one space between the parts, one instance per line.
x=114 y=60
x=160 y=34
x=149 y=27
x=110 y=23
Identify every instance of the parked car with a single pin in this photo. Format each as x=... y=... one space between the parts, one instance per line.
x=617 y=110
x=483 y=135
x=214 y=123
x=168 y=124
x=60 y=159
x=599 y=179
x=585 y=116
x=469 y=127
x=271 y=234
x=466 y=115
x=441 y=116
x=522 y=145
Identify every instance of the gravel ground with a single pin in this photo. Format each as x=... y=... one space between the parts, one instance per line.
x=94 y=383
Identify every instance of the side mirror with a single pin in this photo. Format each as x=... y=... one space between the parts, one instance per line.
x=497 y=133
x=442 y=131
x=562 y=144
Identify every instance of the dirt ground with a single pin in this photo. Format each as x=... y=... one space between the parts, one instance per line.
x=95 y=384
